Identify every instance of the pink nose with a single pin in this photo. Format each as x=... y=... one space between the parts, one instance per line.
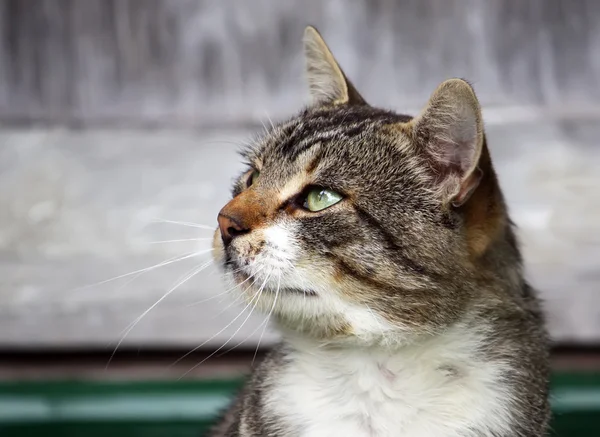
x=230 y=228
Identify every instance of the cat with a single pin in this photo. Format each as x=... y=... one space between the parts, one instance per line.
x=381 y=246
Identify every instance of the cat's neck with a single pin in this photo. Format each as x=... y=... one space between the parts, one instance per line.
x=459 y=339
x=442 y=385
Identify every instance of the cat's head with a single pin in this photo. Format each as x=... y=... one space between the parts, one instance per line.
x=358 y=224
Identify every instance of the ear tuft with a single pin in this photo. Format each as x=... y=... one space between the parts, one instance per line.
x=450 y=132
x=327 y=82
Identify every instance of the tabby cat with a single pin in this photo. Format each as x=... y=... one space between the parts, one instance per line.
x=382 y=247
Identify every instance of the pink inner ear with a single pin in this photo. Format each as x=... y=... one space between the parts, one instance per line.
x=453 y=137
x=450 y=133
x=450 y=159
x=467 y=187
x=457 y=156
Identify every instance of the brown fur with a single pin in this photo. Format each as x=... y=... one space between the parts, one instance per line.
x=485 y=212
x=422 y=237
x=251 y=209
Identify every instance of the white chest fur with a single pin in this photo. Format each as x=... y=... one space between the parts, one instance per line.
x=438 y=389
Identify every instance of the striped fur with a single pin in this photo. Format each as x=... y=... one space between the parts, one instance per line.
x=403 y=308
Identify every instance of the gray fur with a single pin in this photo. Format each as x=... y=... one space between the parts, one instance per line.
x=400 y=247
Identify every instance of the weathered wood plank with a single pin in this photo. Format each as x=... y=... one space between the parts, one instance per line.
x=76 y=207
x=190 y=62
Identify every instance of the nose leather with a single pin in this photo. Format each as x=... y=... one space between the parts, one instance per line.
x=244 y=213
x=230 y=228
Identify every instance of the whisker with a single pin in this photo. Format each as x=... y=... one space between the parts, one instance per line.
x=223 y=329
x=147 y=269
x=129 y=281
x=268 y=317
x=263 y=325
x=235 y=333
x=200 y=302
x=224 y=274
x=232 y=272
x=245 y=339
x=180 y=240
x=193 y=271
x=211 y=338
x=239 y=297
x=179 y=282
x=190 y=224
x=234 y=142
x=187 y=277
x=221 y=294
x=239 y=269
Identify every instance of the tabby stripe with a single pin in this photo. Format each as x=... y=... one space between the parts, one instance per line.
x=391 y=240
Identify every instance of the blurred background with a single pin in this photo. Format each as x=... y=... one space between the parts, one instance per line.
x=119 y=126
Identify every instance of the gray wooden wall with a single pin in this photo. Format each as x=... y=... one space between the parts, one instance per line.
x=206 y=62
x=116 y=112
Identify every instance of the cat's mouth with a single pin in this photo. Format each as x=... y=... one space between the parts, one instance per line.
x=291 y=290
x=262 y=267
x=272 y=286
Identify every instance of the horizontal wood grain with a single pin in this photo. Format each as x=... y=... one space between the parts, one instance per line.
x=201 y=62
x=78 y=207
x=114 y=113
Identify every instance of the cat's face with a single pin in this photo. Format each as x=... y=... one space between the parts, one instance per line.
x=347 y=223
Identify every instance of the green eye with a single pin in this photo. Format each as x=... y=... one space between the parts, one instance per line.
x=321 y=198
x=253 y=177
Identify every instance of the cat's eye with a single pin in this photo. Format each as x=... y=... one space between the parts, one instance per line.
x=252 y=178
x=318 y=198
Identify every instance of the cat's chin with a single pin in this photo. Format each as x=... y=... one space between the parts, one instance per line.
x=334 y=331
x=249 y=281
x=278 y=290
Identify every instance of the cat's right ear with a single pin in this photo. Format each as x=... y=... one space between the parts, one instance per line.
x=327 y=82
x=449 y=133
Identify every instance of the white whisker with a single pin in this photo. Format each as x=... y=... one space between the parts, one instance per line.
x=236 y=331
x=239 y=297
x=190 y=224
x=147 y=269
x=223 y=329
x=235 y=142
x=266 y=321
x=222 y=293
x=180 y=240
x=188 y=276
x=211 y=338
x=200 y=302
x=191 y=272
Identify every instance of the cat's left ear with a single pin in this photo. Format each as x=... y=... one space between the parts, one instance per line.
x=449 y=133
x=327 y=82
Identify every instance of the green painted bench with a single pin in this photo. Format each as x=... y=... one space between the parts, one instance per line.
x=187 y=408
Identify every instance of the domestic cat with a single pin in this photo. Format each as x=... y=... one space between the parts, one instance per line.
x=381 y=245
